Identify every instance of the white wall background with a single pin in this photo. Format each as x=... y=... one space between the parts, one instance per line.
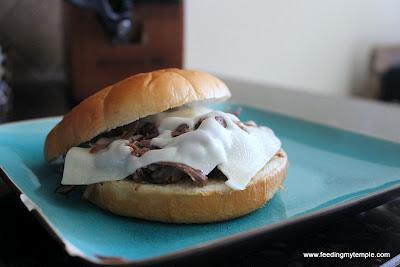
x=314 y=45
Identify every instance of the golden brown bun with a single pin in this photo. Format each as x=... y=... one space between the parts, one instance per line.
x=187 y=203
x=136 y=97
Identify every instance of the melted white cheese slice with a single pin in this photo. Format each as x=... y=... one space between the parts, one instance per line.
x=238 y=153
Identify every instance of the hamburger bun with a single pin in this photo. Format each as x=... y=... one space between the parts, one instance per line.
x=183 y=202
x=187 y=203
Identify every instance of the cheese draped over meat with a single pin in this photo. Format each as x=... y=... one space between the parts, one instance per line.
x=239 y=151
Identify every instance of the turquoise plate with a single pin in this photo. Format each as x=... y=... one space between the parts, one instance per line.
x=331 y=172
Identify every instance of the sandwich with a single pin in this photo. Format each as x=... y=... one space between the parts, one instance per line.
x=150 y=147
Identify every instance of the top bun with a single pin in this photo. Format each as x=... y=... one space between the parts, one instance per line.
x=133 y=98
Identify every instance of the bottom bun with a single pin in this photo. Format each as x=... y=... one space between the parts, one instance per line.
x=187 y=203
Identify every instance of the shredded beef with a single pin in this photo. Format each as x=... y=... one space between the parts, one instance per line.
x=167 y=173
x=197 y=176
x=137 y=149
x=148 y=130
x=221 y=121
x=181 y=129
x=198 y=123
x=132 y=129
x=145 y=143
x=157 y=174
x=138 y=133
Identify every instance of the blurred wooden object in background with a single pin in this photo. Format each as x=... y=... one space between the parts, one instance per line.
x=382 y=59
x=95 y=61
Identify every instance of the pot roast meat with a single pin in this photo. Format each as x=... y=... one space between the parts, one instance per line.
x=181 y=129
x=145 y=143
x=148 y=130
x=221 y=121
x=131 y=129
x=157 y=174
x=168 y=173
x=198 y=123
x=139 y=134
x=140 y=130
x=197 y=176
x=137 y=149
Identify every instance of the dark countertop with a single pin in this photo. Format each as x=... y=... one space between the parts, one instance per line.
x=24 y=242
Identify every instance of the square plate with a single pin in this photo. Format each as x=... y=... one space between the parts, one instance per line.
x=331 y=171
